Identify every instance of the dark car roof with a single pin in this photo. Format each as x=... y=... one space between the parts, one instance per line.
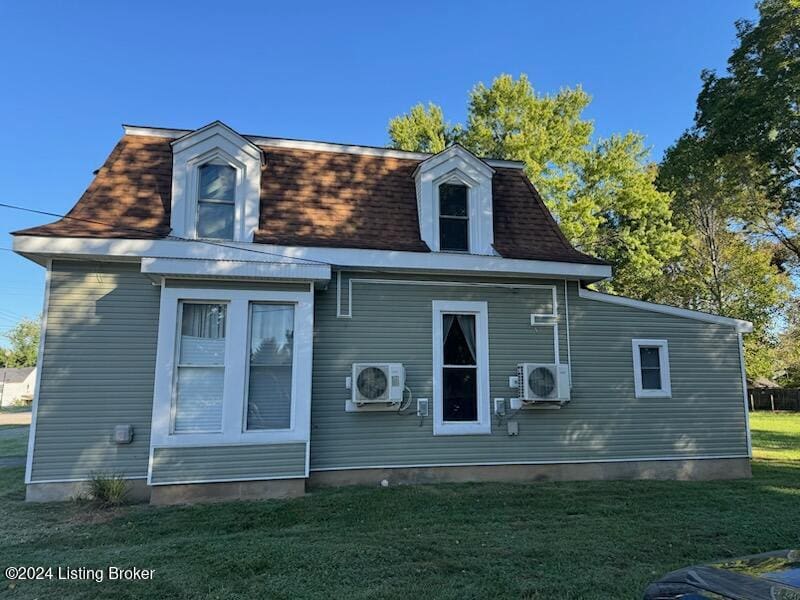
x=768 y=576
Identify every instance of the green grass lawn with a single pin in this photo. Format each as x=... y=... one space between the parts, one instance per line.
x=13 y=440
x=546 y=540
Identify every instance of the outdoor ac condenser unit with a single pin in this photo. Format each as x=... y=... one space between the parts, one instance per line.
x=378 y=383
x=543 y=383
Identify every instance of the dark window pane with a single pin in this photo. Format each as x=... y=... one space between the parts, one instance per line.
x=649 y=357
x=453 y=234
x=453 y=200
x=651 y=379
x=459 y=339
x=460 y=395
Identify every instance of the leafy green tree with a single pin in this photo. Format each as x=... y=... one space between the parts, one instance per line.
x=722 y=269
x=753 y=112
x=602 y=193
x=23 y=341
x=422 y=130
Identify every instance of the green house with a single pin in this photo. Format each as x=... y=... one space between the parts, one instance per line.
x=232 y=316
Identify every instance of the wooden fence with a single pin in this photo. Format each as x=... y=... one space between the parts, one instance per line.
x=774 y=398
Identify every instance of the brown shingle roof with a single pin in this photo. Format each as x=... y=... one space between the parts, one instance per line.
x=308 y=198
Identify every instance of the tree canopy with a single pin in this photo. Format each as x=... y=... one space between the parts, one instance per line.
x=602 y=193
x=752 y=112
x=23 y=346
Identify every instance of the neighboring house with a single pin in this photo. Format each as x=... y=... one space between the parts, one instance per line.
x=232 y=316
x=17 y=385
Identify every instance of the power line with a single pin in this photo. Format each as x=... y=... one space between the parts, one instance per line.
x=150 y=233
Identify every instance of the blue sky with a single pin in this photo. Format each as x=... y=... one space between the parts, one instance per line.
x=336 y=71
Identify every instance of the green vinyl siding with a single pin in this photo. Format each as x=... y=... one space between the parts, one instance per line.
x=97 y=371
x=604 y=421
x=99 y=361
x=228 y=463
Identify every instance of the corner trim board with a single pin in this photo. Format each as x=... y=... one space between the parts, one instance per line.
x=39 y=368
x=744 y=392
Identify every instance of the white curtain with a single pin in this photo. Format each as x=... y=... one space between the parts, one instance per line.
x=203 y=320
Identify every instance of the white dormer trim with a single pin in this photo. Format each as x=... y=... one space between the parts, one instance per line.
x=219 y=144
x=458 y=165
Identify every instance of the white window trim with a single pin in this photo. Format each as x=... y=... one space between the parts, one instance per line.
x=484 y=423
x=216 y=157
x=218 y=144
x=456 y=178
x=236 y=363
x=458 y=164
x=663 y=358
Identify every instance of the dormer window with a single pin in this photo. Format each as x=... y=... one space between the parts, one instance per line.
x=216 y=185
x=454 y=202
x=216 y=202
x=453 y=218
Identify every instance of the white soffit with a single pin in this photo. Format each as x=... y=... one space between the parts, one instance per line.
x=433 y=262
x=235 y=269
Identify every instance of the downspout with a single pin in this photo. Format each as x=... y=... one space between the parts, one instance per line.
x=566 y=318
x=744 y=394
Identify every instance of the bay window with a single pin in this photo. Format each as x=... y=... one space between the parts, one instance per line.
x=233 y=366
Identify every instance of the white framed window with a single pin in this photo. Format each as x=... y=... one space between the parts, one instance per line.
x=459 y=167
x=216 y=201
x=460 y=368
x=270 y=366
x=233 y=366
x=216 y=185
x=651 y=368
x=454 y=212
x=199 y=368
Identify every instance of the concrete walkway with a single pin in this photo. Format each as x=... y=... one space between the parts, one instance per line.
x=15 y=418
